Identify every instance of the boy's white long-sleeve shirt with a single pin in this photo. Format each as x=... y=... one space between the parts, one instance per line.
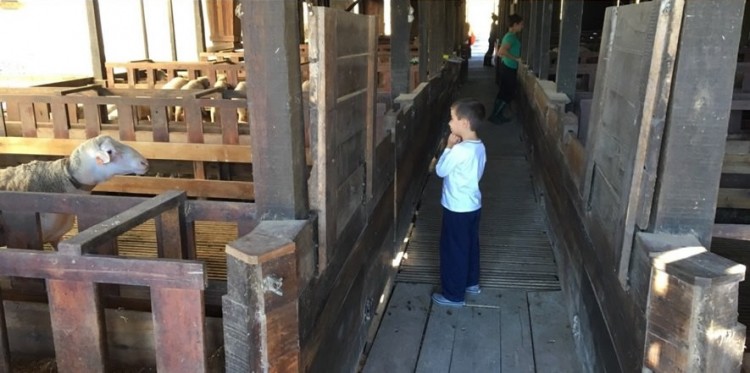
x=461 y=168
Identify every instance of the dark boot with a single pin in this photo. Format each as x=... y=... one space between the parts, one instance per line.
x=497 y=111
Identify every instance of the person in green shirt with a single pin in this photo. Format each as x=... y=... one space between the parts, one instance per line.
x=509 y=51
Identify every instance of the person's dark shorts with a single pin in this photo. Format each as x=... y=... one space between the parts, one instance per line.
x=507 y=80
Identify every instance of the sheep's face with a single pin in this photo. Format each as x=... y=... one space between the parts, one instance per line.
x=120 y=158
x=103 y=157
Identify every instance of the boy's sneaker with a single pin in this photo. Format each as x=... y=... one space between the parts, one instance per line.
x=474 y=289
x=443 y=301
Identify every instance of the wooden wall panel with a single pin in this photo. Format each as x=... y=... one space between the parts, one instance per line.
x=627 y=120
x=342 y=92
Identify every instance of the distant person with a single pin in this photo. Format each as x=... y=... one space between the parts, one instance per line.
x=509 y=52
x=494 y=34
x=461 y=166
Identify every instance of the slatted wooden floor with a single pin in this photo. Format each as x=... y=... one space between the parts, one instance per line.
x=519 y=322
x=211 y=240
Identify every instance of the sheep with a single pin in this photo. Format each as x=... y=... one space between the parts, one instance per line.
x=241 y=89
x=221 y=82
x=200 y=83
x=176 y=83
x=94 y=161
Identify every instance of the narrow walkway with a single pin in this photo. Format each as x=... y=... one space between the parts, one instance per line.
x=519 y=322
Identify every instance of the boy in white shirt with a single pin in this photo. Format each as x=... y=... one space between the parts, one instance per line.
x=461 y=166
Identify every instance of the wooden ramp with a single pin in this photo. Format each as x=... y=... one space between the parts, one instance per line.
x=519 y=323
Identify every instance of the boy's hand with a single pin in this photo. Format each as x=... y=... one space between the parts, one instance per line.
x=452 y=140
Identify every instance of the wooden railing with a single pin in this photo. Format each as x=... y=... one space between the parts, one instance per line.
x=73 y=275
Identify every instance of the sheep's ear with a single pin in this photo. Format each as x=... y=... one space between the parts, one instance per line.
x=102 y=157
x=103 y=153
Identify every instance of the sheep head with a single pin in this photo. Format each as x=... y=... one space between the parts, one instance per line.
x=100 y=158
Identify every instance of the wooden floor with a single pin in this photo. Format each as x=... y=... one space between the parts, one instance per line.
x=519 y=322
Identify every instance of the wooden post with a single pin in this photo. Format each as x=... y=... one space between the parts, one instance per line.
x=261 y=321
x=95 y=38
x=545 y=29
x=400 y=50
x=691 y=309
x=696 y=128
x=4 y=346
x=274 y=97
x=424 y=39
x=78 y=325
x=567 y=55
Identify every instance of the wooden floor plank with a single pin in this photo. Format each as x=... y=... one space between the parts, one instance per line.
x=397 y=342
x=477 y=342
x=515 y=333
x=439 y=338
x=554 y=349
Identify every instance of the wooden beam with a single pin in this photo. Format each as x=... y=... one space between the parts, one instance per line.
x=274 y=96
x=261 y=321
x=4 y=345
x=567 y=55
x=400 y=51
x=695 y=135
x=179 y=330
x=77 y=325
x=732 y=231
x=121 y=223
x=178 y=274
x=545 y=30
x=95 y=38
x=691 y=311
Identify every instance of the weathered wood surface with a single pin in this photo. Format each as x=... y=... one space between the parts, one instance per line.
x=492 y=333
x=554 y=349
x=627 y=121
x=692 y=291
x=272 y=60
x=402 y=326
x=261 y=305
x=342 y=126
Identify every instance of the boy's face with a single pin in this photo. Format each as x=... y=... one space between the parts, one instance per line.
x=458 y=126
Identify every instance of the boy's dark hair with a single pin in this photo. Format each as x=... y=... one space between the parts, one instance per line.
x=514 y=19
x=470 y=109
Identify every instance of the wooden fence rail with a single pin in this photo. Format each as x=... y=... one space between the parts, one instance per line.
x=75 y=306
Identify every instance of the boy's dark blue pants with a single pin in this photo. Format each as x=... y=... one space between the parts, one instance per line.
x=459 y=252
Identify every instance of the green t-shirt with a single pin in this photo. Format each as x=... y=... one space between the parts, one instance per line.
x=515 y=49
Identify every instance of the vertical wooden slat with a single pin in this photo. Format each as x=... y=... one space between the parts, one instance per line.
x=131 y=73
x=60 y=120
x=272 y=59
x=159 y=122
x=3 y=113
x=28 y=119
x=229 y=130
x=150 y=78
x=372 y=62
x=199 y=170
x=78 y=326
x=194 y=123
x=171 y=237
x=400 y=51
x=93 y=120
x=179 y=330
x=126 y=122
x=96 y=42
x=567 y=57
x=4 y=346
